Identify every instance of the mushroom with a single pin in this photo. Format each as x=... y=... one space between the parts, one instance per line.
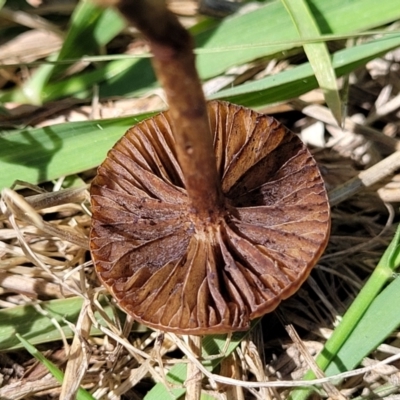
x=204 y=216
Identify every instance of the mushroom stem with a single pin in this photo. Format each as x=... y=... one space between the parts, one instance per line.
x=174 y=63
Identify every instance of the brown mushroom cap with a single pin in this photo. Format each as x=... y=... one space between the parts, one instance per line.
x=173 y=271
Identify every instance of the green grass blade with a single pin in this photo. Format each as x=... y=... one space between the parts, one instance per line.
x=271 y=23
x=115 y=77
x=81 y=25
x=91 y=27
x=38 y=327
x=380 y=320
x=82 y=394
x=317 y=54
x=383 y=272
x=31 y=91
x=205 y=396
x=299 y=80
x=231 y=43
x=37 y=155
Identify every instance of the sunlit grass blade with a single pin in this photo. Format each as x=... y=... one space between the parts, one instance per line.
x=269 y=24
x=38 y=155
x=82 y=394
x=299 y=80
x=91 y=27
x=115 y=76
x=35 y=155
x=370 y=332
x=317 y=54
x=383 y=273
x=38 y=327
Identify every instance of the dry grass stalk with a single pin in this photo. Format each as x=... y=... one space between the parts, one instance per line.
x=78 y=356
x=194 y=377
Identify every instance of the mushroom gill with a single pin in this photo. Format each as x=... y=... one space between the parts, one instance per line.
x=173 y=270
